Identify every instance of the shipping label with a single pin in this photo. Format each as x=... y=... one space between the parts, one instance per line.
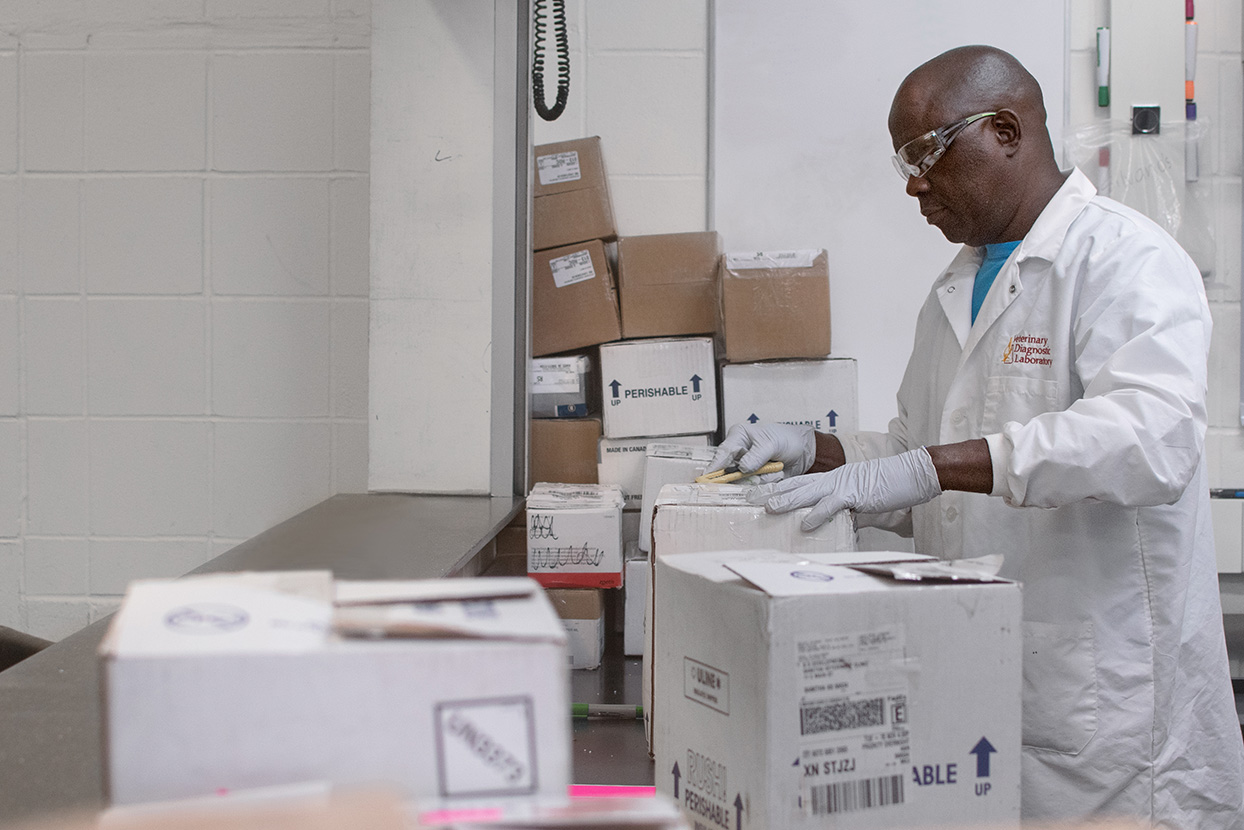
x=559 y=167
x=770 y=259
x=486 y=747
x=854 y=735
x=555 y=376
x=572 y=268
x=706 y=685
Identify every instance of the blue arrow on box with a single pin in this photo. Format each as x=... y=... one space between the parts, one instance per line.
x=981 y=751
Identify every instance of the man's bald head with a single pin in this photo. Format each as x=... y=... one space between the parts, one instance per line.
x=967 y=80
x=999 y=174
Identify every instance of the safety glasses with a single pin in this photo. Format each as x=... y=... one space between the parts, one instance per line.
x=916 y=156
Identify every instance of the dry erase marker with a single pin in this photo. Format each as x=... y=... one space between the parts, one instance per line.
x=1191 y=155
x=1103 y=66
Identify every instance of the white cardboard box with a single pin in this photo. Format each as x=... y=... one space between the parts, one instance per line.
x=694 y=518
x=660 y=386
x=798 y=695
x=822 y=394
x=559 y=386
x=574 y=535
x=667 y=464
x=621 y=461
x=238 y=681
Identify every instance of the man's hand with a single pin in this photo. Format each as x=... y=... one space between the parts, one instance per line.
x=752 y=446
x=876 y=486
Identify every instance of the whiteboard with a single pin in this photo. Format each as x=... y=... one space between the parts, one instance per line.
x=800 y=154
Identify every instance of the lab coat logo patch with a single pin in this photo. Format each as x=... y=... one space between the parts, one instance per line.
x=1026 y=348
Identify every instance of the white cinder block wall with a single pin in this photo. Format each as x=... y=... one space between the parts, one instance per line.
x=183 y=285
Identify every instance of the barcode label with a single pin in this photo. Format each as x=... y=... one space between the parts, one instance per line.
x=847 y=796
x=840 y=715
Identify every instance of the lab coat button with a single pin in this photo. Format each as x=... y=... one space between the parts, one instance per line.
x=950 y=290
x=957 y=417
x=951 y=514
x=1012 y=288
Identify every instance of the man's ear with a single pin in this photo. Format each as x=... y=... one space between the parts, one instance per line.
x=1008 y=129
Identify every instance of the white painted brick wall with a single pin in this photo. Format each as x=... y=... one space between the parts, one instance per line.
x=183 y=283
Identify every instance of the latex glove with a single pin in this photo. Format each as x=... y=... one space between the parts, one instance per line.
x=752 y=446
x=875 y=486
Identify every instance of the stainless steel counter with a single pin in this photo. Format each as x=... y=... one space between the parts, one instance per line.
x=50 y=749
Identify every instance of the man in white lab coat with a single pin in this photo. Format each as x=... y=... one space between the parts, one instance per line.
x=1058 y=417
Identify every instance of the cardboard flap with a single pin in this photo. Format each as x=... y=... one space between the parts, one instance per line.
x=525 y=616
x=982 y=569
x=790 y=579
x=386 y=592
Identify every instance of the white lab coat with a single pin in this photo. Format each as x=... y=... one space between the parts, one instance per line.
x=1086 y=373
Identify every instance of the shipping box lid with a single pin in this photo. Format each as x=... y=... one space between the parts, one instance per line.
x=856 y=572
x=289 y=613
x=553 y=496
x=689 y=518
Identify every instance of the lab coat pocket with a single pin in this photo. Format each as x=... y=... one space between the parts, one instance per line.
x=1060 y=686
x=1015 y=398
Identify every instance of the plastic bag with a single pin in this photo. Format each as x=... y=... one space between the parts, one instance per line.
x=1151 y=173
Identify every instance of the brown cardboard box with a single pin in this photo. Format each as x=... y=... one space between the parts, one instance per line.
x=667 y=283
x=571 y=194
x=573 y=300
x=774 y=305
x=563 y=450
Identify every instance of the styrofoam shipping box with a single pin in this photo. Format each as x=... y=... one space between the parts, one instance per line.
x=822 y=394
x=662 y=386
x=798 y=695
x=559 y=386
x=574 y=535
x=621 y=461
x=664 y=464
x=237 y=681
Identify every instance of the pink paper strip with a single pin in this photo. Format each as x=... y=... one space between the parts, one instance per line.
x=610 y=791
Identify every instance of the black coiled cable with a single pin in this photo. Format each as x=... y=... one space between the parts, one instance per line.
x=563 y=59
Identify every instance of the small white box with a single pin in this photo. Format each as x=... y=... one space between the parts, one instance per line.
x=822 y=394
x=559 y=386
x=620 y=461
x=800 y=695
x=574 y=535
x=662 y=386
x=635 y=601
x=582 y=612
x=239 y=681
x=667 y=464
